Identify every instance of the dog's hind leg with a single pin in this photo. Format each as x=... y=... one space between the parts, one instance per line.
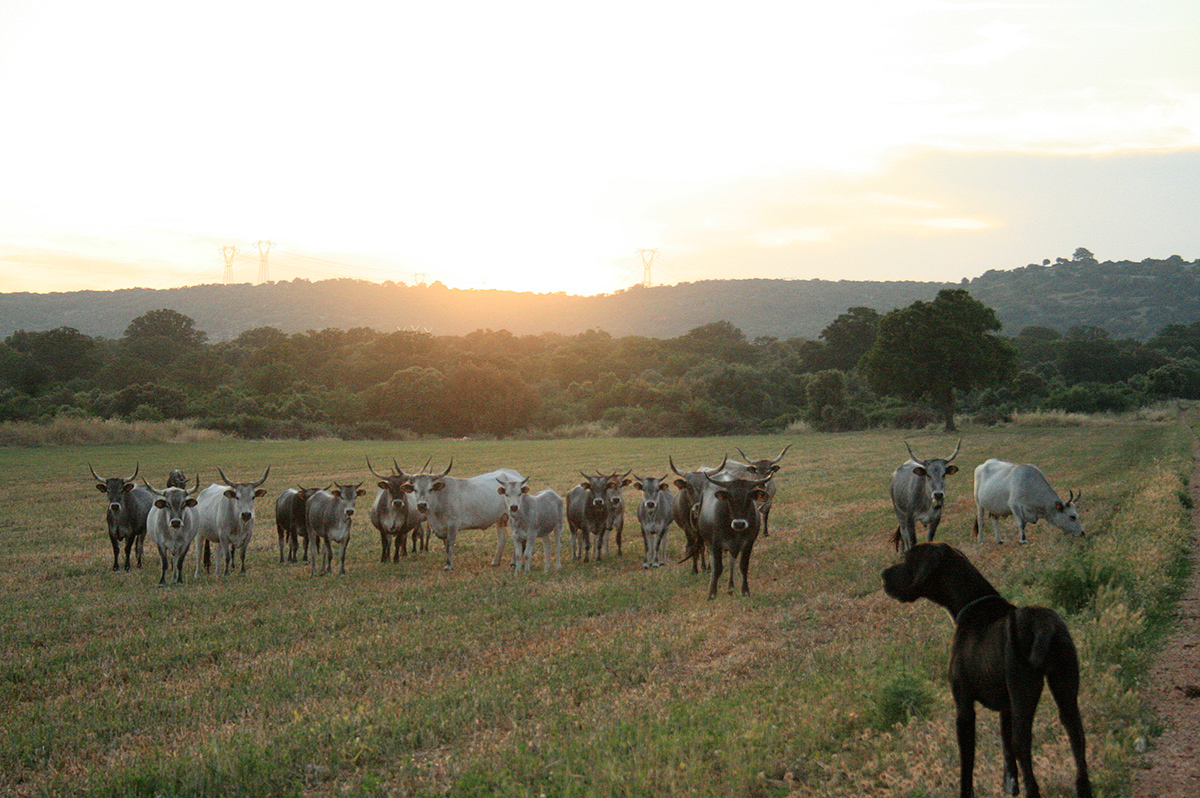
x=1012 y=783
x=1064 y=686
x=1024 y=692
x=964 y=723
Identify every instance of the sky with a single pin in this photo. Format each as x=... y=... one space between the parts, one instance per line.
x=566 y=146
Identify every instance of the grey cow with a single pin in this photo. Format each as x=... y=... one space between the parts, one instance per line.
x=125 y=516
x=532 y=517
x=172 y=525
x=655 y=512
x=918 y=495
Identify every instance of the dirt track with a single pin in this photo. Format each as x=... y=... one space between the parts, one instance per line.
x=1173 y=763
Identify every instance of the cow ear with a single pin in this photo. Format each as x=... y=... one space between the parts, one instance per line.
x=190 y=502
x=585 y=485
x=626 y=482
x=102 y=488
x=384 y=486
x=439 y=485
x=723 y=495
x=258 y=494
x=758 y=495
x=681 y=483
x=1058 y=505
x=524 y=489
x=361 y=492
x=952 y=469
x=129 y=486
x=407 y=487
x=638 y=486
x=775 y=468
x=337 y=492
x=920 y=471
x=230 y=494
x=160 y=504
x=500 y=490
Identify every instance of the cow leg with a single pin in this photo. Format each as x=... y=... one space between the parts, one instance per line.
x=242 y=556
x=306 y=537
x=162 y=555
x=449 y=541
x=141 y=539
x=116 y=547
x=766 y=513
x=128 y=547
x=501 y=539
x=342 y=556
x=745 y=563
x=400 y=547
x=715 y=575
x=646 y=559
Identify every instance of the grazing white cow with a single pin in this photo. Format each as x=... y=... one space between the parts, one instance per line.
x=655 y=512
x=226 y=512
x=1022 y=491
x=450 y=504
x=532 y=517
x=330 y=514
x=171 y=525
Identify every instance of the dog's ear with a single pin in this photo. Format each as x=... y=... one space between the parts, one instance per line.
x=925 y=561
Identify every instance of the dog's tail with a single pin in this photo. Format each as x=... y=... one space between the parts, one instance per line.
x=1037 y=631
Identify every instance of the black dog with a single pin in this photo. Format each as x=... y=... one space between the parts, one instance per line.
x=999 y=657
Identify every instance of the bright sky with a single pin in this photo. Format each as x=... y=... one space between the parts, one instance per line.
x=541 y=144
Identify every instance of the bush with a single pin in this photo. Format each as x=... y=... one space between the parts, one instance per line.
x=905 y=697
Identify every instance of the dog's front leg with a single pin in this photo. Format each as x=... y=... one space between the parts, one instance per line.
x=965 y=726
x=1012 y=785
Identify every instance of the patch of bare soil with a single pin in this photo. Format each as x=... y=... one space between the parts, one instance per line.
x=1172 y=766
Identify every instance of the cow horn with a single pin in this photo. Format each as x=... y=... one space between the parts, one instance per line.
x=910 y=453
x=224 y=478
x=781 y=454
x=743 y=454
x=97 y=477
x=197 y=488
x=956 y=448
x=447 y=471
x=264 y=478
x=136 y=466
x=151 y=487
x=376 y=473
x=673 y=468
x=724 y=460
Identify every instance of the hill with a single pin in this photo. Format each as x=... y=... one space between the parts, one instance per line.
x=1130 y=300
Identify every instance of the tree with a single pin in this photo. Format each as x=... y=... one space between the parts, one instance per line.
x=166 y=324
x=929 y=350
x=849 y=337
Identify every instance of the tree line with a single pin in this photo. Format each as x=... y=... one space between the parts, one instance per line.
x=917 y=365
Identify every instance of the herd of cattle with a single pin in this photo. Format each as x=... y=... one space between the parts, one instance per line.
x=721 y=511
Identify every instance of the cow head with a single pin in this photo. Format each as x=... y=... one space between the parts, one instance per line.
x=426 y=485
x=393 y=484
x=115 y=487
x=691 y=485
x=1068 y=514
x=512 y=491
x=347 y=496
x=596 y=487
x=174 y=500
x=612 y=490
x=651 y=487
x=766 y=466
x=739 y=495
x=935 y=470
x=244 y=494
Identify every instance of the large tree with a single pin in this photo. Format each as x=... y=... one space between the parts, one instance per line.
x=929 y=350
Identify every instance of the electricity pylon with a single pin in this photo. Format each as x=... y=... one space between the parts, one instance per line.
x=648 y=256
x=263 y=248
x=228 y=253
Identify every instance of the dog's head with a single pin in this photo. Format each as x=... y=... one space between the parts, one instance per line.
x=909 y=579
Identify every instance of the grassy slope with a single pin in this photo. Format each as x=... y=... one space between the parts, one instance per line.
x=602 y=679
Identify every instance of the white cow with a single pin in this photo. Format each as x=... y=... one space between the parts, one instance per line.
x=330 y=515
x=227 y=519
x=1022 y=491
x=171 y=524
x=532 y=517
x=450 y=504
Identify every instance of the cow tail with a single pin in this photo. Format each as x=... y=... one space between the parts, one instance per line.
x=976 y=525
x=896 y=538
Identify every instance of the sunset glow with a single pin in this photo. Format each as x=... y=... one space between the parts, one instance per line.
x=539 y=145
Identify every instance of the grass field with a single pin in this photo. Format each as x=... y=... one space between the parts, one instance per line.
x=601 y=679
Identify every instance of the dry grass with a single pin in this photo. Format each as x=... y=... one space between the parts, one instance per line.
x=601 y=679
